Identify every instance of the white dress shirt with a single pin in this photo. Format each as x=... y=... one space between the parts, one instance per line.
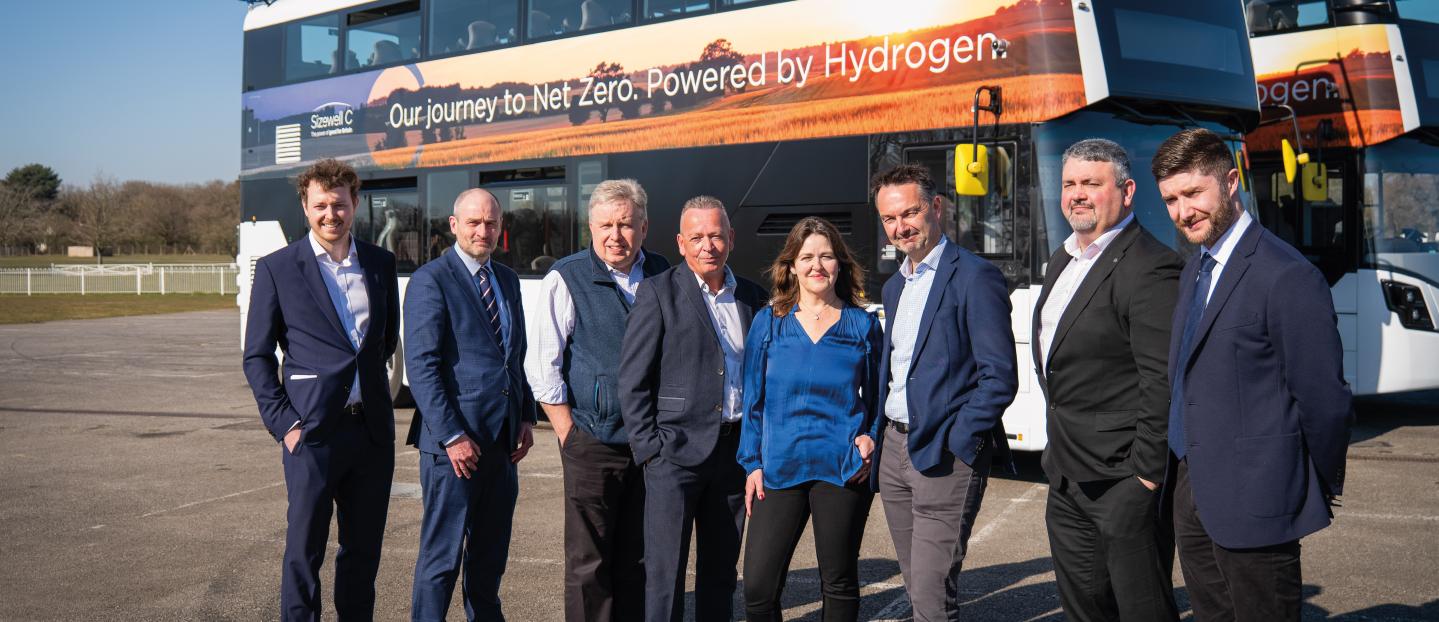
x=545 y=359
x=1223 y=248
x=907 y=314
x=345 y=281
x=1082 y=259
x=724 y=311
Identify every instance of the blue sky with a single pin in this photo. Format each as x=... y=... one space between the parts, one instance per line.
x=144 y=89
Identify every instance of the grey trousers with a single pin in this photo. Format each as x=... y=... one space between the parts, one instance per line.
x=930 y=517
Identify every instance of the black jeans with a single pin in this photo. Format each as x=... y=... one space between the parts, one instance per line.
x=775 y=527
x=604 y=531
x=1226 y=585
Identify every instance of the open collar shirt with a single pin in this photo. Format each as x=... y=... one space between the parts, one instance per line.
x=345 y=282
x=1069 y=279
x=918 y=279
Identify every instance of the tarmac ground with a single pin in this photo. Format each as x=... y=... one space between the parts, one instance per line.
x=138 y=484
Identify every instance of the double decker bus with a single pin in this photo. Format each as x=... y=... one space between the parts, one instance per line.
x=782 y=109
x=1345 y=167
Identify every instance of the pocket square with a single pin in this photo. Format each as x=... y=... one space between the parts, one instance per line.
x=303 y=376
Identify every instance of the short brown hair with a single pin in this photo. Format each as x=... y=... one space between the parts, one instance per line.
x=1192 y=150
x=331 y=174
x=905 y=174
x=849 y=283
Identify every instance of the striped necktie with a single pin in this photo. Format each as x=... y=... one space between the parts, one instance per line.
x=487 y=298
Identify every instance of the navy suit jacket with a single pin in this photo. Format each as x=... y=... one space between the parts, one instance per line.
x=671 y=382
x=291 y=308
x=463 y=380
x=1266 y=408
x=963 y=373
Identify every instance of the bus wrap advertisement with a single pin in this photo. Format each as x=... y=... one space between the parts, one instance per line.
x=853 y=67
x=1345 y=76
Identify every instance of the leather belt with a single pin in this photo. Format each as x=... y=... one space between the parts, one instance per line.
x=902 y=428
x=357 y=408
x=728 y=427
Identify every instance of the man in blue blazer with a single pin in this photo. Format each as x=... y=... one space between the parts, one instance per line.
x=465 y=352
x=1259 y=411
x=331 y=304
x=680 y=391
x=950 y=371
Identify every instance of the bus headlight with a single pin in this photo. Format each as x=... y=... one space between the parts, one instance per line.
x=1407 y=301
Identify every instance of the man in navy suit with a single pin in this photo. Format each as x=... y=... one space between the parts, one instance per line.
x=331 y=304
x=465 y=352
x=950 y=371
x=680 y=396
x=1259 y=411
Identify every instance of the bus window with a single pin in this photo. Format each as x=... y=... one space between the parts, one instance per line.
x=1269 y=16
x=549 y=18
x=538 y=227
x=984 y=225
x=390 y=219
x=441 y=190
x=1422 y=10
x=383 y=35
x=459 y=25
x=590 y=174
x=1400 y=216
x=311 y=47
x=660 y=9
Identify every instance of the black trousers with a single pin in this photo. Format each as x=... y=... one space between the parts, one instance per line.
x=1261 y=584
x=604 y=531
x=775 y=527
x=706 y=500
x=1113 y=556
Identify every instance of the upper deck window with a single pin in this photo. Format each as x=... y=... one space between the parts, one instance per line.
x=661 y=9
x=1422 y=10
x=1271 y=16
x=1148 y=36
x=383 y=35
x=460 y=25
x=312 y=47
x=551 y=18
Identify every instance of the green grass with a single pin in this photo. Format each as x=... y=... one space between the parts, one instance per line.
x=17 y=309
x=44 y=261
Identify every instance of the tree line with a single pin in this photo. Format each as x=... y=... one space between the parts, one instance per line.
x=41 y=215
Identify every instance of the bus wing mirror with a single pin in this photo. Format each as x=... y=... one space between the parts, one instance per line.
x=1315 y=182
x=1239 y=157
x=1290 y=161
x=971 y=170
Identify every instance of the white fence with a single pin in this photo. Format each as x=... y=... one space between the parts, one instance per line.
x=121 y=279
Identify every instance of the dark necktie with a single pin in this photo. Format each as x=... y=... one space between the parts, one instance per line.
x=487 y=298
x=1186 y=345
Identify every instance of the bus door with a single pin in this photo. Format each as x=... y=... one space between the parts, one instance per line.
x=388 y=216
x=1320 y=220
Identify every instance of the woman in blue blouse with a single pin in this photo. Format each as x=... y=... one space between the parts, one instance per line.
x=811 y=378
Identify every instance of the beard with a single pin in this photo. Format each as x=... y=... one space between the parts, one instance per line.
x=1083 y=224
x=1219 y=222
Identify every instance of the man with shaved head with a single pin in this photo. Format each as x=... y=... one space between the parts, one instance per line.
x=464 y=351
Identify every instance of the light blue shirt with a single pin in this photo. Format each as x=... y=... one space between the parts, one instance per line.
x=907 y=314
x=1223 y=249
x=472 y=266
x=345 y=282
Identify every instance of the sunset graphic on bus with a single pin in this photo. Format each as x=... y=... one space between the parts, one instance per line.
x=789 y=71
x=1344 y=76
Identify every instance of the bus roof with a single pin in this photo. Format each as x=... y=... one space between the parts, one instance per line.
x=262 y=15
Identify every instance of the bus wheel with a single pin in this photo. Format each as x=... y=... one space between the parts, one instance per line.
x=395 y=369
